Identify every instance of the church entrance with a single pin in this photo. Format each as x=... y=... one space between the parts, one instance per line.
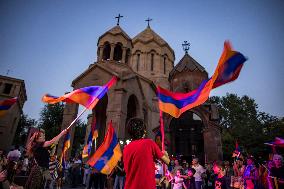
x=186 y=136
x=100 y=114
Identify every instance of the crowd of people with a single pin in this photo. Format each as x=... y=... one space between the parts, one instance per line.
x=143 y=166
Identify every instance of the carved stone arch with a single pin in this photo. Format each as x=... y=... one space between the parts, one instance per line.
x=106 y=51
x=118 y=52
x=165 y=60
x=152 y=54
x=127 y=55
x=132 y=110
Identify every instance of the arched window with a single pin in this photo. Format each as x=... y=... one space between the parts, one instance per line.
x=117 y=52
x=106 y=51
x=138 y=62
x=152 y=61
x=164 y=65
x=127 y=56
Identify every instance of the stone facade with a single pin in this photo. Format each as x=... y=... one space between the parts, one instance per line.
x=10 y=88
x=140 y=64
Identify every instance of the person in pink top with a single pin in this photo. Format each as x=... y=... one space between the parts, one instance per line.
x=139 y=156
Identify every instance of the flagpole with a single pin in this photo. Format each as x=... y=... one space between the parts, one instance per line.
x=77 y=117
x=162 y=130
x=95 y=144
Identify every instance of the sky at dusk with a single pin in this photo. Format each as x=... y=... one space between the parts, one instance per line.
x=50 y=43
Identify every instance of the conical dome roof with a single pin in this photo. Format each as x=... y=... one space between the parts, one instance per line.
x=149 y=35
x=187 y=63
x=117 y=30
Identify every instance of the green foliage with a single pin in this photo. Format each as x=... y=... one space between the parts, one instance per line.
x=241 y=121
x=51 y=117
x=23 y=128
x=79 y=138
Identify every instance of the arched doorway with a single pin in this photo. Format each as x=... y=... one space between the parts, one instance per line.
x=100 y=114
x=186 y=134
x=132 y=111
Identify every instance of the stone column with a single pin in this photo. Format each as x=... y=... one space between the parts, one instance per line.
x=112 y=45
x=69 y=114
x=115 y=111
x=123 y=54
x=212 y=143
x=100 y=56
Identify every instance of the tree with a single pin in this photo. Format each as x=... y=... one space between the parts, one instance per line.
x=51 y=117
x=79 y=138
x=241 y=121
x=23 y=128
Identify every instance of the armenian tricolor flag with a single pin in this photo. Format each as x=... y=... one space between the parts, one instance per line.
x=92 y=136
x=87 y=96
x=6 y=104
x=65 y=147
x=108 y=154
x=228 y=69
x=277 y=142
x=237 y=150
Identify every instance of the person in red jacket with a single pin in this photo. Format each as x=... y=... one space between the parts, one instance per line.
x=139 y=156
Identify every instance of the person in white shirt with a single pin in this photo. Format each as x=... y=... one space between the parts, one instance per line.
x=15 y=154
x=199 y=171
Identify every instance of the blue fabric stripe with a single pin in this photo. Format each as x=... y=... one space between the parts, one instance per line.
x=3 y=107
x=230 y=66
x=184 y=102
x=107 y=155
x=92 y=90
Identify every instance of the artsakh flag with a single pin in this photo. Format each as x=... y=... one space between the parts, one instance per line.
x=92 y=136
x=87 y=96
x=6 y=104
x=108 y=154
x=65 y=147
x=228 y=69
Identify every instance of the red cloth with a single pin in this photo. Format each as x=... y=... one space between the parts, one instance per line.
x=138 y=158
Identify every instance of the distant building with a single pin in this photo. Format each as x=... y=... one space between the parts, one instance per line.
x=141 y=63
x=9 y=88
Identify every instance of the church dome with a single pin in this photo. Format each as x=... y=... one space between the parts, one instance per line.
x=149 y=35
x=114 y=45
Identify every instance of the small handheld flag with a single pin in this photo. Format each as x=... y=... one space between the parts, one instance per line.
x=108 y=154
x=65 y=147
x=92 y=136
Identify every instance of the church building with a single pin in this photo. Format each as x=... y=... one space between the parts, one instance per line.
x=141 y=63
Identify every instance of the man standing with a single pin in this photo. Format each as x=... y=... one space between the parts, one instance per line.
x=199 y=171
x=139 y=156
x=276 y=176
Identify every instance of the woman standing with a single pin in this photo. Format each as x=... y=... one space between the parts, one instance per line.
x=38 y=148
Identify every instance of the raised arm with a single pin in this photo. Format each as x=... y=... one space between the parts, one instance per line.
x=55 y=139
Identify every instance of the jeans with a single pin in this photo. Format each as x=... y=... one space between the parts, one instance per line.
x=119 y=181
x=198 y=184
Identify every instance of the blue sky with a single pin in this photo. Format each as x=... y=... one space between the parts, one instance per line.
x=49 y=43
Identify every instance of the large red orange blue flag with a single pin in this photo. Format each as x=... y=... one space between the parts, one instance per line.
x=87 y=96
x=108 y=154
x=92 y=136
x=6 y=104
x=228 y=69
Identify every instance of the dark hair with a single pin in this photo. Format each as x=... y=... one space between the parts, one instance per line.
x=136 y=128
x=192 y=170
x=219 y=164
